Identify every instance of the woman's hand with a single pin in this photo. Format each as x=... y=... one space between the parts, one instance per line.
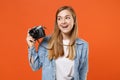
x=30 y=40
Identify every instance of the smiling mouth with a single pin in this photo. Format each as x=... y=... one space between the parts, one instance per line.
x=65 y=26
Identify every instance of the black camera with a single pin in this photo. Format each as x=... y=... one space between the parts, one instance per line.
x=37 y=32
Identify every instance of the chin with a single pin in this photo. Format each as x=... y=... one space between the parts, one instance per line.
x=66 y=32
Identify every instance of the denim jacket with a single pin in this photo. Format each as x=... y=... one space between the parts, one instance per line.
x=40 y=59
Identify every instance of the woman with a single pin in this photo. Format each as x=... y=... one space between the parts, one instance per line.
x=62 y=56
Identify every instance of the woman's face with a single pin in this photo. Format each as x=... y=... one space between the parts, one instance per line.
x=65 y=21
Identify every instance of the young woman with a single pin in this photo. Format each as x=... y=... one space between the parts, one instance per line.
x=62 y=56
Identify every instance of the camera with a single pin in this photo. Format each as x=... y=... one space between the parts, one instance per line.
x=37 y=32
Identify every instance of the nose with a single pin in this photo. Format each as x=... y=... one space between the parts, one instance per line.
x=63 y=21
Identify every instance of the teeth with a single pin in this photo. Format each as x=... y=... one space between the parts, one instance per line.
x=64 y=26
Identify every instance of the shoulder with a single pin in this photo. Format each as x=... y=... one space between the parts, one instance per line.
x=46 y=38
x=80 y=41
x=44 y=41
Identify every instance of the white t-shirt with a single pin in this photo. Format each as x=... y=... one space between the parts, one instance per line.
x=64 y=66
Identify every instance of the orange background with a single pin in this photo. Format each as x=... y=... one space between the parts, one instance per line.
x=99 y=24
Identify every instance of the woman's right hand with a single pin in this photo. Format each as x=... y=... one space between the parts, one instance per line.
x=30 y=40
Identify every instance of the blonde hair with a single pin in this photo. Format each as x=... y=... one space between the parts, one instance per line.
x=55 y=43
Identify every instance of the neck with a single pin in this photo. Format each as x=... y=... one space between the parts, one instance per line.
x=65 y=36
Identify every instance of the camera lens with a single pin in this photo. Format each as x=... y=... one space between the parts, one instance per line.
x=37 y=32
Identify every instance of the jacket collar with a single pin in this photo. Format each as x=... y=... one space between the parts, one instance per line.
x=79 y=41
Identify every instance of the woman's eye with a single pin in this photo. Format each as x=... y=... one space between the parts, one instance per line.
x=67 y=17
x=58 y=18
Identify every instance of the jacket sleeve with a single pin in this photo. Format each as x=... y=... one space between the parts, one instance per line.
x=83 y=70
x=36 y=58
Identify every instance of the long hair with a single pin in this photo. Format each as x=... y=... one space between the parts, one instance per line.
x=55 y=43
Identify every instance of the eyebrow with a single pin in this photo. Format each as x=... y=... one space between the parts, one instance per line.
x=65 y=15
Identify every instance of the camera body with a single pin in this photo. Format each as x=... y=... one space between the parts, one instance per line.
x=37 y=32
